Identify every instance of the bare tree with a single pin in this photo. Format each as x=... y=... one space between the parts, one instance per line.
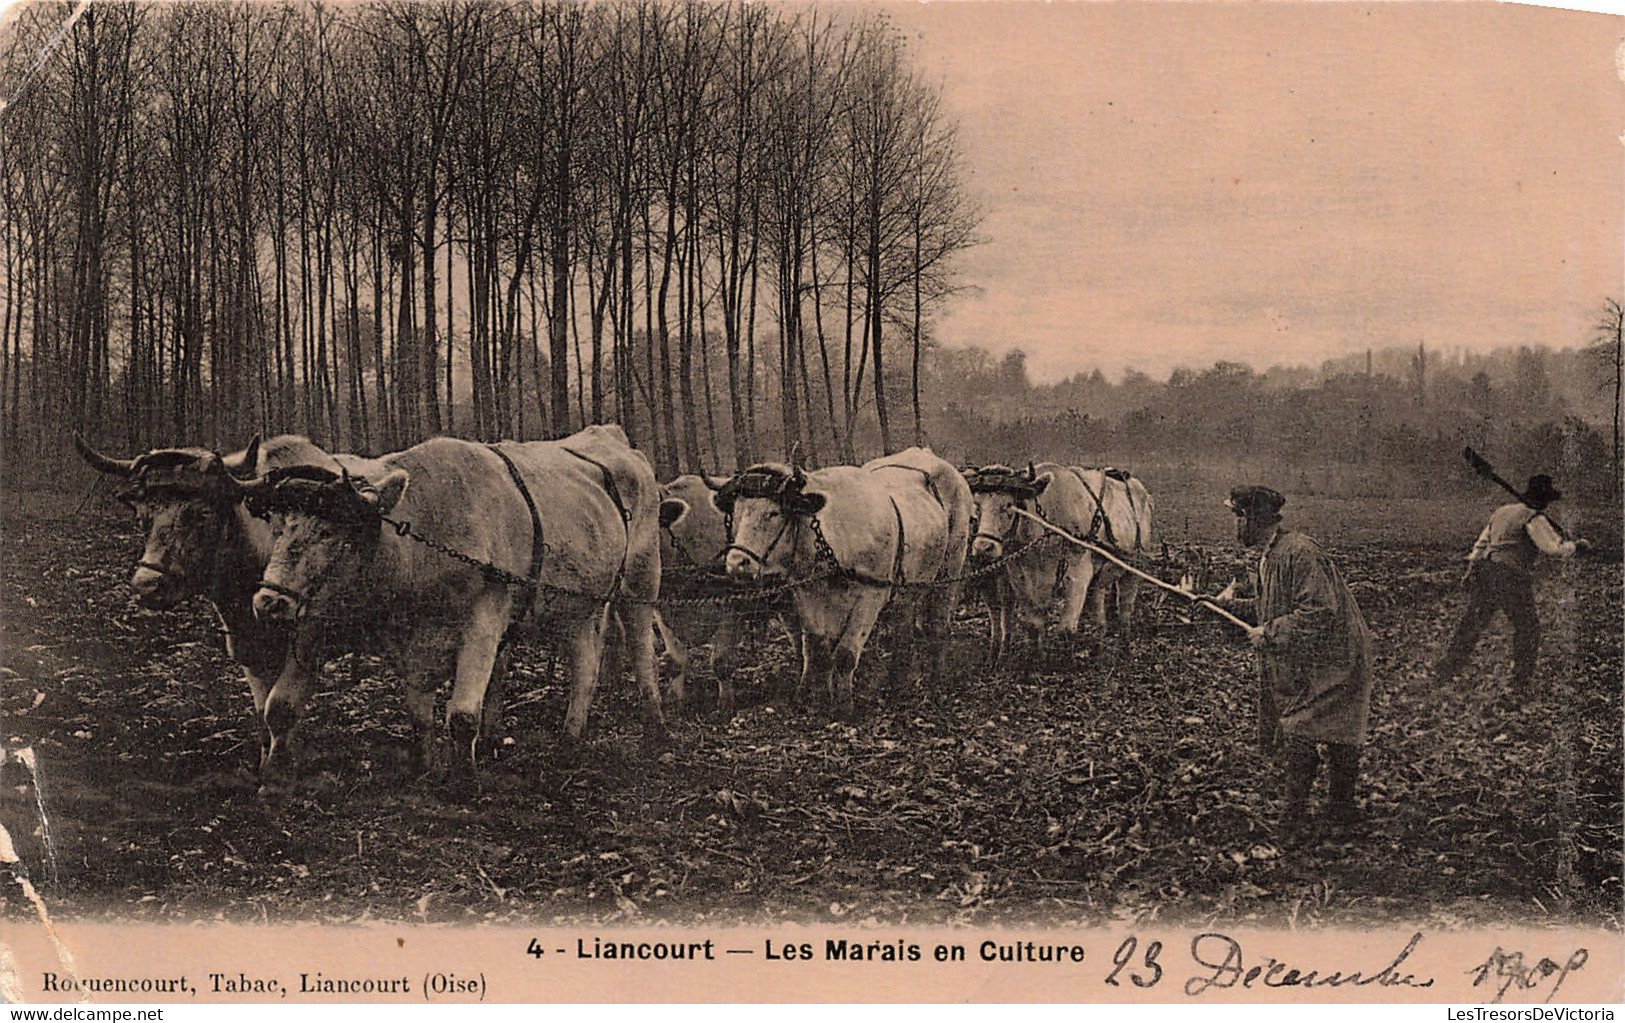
x=1608 y=347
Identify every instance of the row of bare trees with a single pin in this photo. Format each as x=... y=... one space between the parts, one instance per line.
x=724 y=226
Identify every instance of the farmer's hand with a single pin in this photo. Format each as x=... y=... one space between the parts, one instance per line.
x=1255 y=636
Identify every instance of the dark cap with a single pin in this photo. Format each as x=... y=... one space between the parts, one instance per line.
x=1255 y=502
x=1541 y=491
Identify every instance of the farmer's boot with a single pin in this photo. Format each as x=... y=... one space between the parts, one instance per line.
x=1300 y=762
x=1344 y=771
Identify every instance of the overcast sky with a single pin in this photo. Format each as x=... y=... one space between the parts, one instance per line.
x=1174 y=184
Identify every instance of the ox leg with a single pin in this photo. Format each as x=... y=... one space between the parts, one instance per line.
x=677 y=653
x=1105 y=582
x=792 y=629
x=610 y=657
x=998 y=621
x=905 y=648
x=586 y=648
x=476 y=658
x=284 y=706
x=638 y=635
x=939 y=612
x=491 y=707
x=815 y=665
x=1128 y=590
x=724 y=657
x=849 y=648
x=1076 y=589
x=1031 y=620
x=420 y=692
x=995 y=635
x=259 y=689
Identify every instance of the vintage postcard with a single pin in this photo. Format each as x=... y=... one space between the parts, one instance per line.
x=437 y=566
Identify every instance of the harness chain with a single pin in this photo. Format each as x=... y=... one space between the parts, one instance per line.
x=754 y=595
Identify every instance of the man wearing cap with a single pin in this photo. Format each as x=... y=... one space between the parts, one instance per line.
x=1498 y=579
x=1314 y=657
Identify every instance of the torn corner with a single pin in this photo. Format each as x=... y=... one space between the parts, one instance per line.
x=11 y=983
x=9 y=857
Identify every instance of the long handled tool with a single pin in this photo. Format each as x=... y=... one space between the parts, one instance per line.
x=1125 y=566
x=1483 y=468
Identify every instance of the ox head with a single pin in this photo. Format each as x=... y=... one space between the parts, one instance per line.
x=694 y=530
x=766 y=507
x=997 y=491
x=185 y=499
x=325 y=527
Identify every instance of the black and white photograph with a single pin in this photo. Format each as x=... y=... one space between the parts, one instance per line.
x=1000 y=469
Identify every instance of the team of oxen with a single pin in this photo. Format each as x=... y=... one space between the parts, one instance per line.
x=440 y=554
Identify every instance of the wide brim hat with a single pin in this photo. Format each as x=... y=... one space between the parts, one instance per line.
x=1541 y=490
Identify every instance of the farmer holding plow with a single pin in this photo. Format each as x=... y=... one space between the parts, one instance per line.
x=1314 y=657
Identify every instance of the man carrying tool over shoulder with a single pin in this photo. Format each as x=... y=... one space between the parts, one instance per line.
x=1498 y=579
x=1314 y=657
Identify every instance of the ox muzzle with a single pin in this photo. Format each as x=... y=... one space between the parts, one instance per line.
x=274 y=602
x=157 y=587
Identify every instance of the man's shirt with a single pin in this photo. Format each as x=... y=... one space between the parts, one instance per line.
x=1515 y=534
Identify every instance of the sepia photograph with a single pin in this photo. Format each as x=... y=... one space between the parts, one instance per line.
x=426 y=505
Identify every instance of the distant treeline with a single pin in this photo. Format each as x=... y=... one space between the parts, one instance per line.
x=1396 y=409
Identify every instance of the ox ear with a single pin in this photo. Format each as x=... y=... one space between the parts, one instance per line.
x=245 y=463
x=672 y=510
x=101 y=462
x=807 y=504
x=1042 y=482
x=390 y=490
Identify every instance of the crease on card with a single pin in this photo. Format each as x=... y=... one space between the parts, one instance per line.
x=10 y=976
x=51 y=46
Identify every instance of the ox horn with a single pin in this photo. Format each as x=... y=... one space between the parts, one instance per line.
x=709 y=485
x=1032 y=471
x=243 y=489
x=246 y=465
x=101 y=462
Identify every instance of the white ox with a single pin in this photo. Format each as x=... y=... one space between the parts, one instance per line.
x=590 y=515
x=202 y=542
x=897 y=526
x=693 y=535
x=1103 y=506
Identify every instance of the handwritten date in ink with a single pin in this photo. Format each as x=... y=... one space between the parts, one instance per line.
x=1510 y=971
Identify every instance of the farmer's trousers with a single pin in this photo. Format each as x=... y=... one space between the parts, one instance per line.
x=1300 y=759
x=1491 y=587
